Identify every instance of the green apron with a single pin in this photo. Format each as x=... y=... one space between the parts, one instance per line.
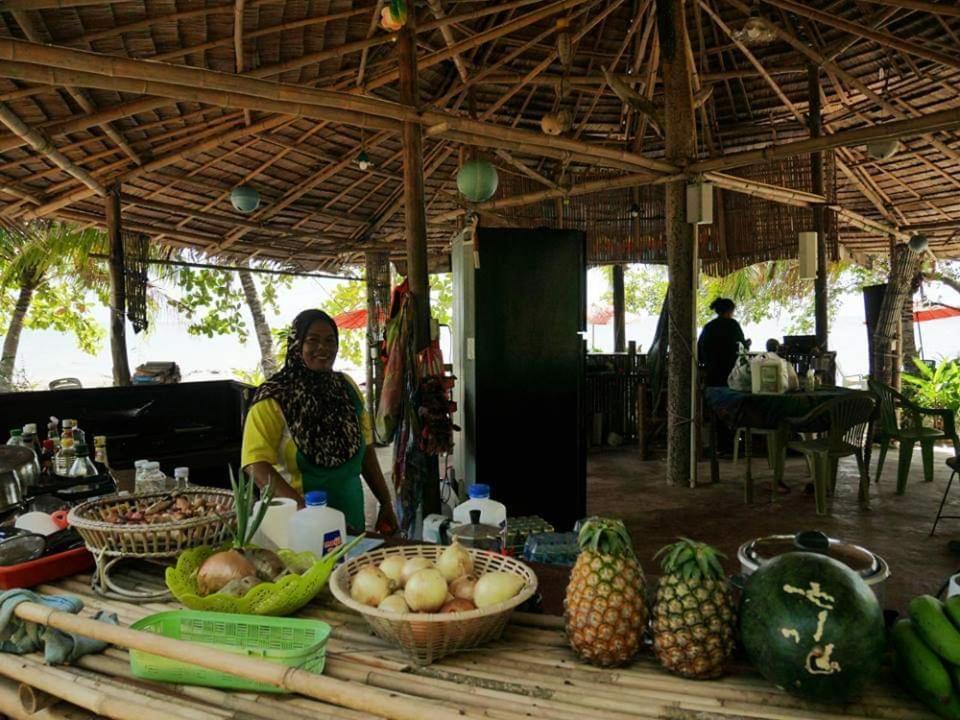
x=341 y=483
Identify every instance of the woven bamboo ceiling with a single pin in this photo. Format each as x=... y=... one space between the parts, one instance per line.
x=100 y=93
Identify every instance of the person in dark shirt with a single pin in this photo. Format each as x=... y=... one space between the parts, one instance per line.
x=717 y=346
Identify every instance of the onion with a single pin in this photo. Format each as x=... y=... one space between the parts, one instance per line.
x=414 y=564
x=394 y=603
x=455 y=562
x=370 y=586
x=268 y=564
x=496 y=587
x=458 y=605
x=392 y=567
x=462 y=587
x=220 y=568
x=425 y=591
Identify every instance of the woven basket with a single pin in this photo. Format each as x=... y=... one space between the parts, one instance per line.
x=429 y=637
x=151 y=541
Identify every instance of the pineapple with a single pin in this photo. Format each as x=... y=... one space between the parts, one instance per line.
x=605 y=607
x=693 y=616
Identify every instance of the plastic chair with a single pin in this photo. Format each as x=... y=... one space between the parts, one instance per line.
x=954 y=464
x=890 y=429
x=844 y=421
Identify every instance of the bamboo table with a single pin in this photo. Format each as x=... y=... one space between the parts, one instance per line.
x=530 y=672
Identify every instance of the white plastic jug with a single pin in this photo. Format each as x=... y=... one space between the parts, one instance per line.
x=491 y=511
x=317 y=528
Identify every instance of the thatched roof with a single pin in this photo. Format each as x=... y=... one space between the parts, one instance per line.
x=180 y=141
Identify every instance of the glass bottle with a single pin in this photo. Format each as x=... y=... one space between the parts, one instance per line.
x=100 y=451
x=16 y=437
x=65 y=458
x=83 y=466
x=53 y=432
x=30 y=438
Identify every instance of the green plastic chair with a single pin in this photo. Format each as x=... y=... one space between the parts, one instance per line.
x=915 y=432
x=842 y=427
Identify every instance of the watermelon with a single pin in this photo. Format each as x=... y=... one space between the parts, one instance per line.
x=812 y=626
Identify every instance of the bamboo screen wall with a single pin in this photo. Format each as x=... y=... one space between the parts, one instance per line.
x=754 y=229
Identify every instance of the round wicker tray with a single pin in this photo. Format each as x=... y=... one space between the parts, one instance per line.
x=428 y=637
x=151 y=541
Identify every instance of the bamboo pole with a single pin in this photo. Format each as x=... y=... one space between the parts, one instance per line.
x=525 y=169
x=948 y=119
x=33 y=700
x=835 y=21
x=942 y=9
x=819 y=214
x=42 y=144
x=10 y=706
x=786 y=196
x=390 y=705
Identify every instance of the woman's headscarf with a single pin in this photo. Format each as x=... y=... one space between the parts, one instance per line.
x=319 y=407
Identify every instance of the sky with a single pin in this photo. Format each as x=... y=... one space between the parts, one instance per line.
x=47 y=355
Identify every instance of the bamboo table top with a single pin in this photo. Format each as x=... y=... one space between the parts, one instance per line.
x=530 y=672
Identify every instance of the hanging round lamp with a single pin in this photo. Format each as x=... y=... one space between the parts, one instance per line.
x=363 y=161
x=918 y=243
x=393 y=16
x=477 y=180
x=245 y=198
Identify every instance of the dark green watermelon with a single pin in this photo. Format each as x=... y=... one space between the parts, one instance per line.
x=812 y=626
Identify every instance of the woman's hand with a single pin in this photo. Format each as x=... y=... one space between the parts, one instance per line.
x=387 y=523
x=265 y=474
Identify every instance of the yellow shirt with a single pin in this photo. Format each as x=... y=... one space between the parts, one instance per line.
x=266 y=438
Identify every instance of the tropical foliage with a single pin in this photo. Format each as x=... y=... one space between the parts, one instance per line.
x=937 y=387
x=46 y=277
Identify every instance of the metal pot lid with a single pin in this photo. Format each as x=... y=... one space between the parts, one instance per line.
x=857 y=558
x=475 y=530
x=13 y=457
x=18 y=546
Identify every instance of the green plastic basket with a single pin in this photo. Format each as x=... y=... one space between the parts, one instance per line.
x=292 y=642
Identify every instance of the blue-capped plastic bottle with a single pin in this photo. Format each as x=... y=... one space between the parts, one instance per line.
x=317 y=528
x=491 y=512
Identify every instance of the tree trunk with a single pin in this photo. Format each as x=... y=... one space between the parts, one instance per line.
x=118 y=291
x=267 y=361
x=908 y=341
x=11 y=342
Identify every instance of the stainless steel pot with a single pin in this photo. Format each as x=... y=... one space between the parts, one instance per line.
x=18 y=470
x=870 y=566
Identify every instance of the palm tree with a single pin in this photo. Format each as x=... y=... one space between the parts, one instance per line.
x=29 y=255
x=261 y=328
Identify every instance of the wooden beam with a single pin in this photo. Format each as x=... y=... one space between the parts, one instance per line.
x=448 y=39
x=886 y=39
x=782 y=195
x=932 y=226
x=52 y=4
x=943 y=9
x=42 y=144
x=239 y=65
x=815 y=121
x=525 y=169
x=619 y=311
x=870 y=225
x=118 y=290
x=932 y=122
x=681 y=148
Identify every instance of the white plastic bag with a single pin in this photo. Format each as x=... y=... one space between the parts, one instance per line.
x=740 y=377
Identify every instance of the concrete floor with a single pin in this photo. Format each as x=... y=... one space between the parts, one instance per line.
x=896 y=528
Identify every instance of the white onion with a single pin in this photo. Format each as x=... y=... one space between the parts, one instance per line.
x=455 y=562
x=458 y=605
x=426 y=590
x=496 y=587
x=392 y=567
x=462 y=588
x=220 y=568
x=370 y=586
x=412 y=565
x=394 y=603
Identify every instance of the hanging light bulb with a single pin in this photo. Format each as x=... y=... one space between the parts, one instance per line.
x=363 y=161
x=635 y=211
x=755 y=30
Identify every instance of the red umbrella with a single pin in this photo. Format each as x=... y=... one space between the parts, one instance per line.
x=599 y=315
x=935 y=312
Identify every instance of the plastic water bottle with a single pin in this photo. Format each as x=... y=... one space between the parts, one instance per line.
x=317 y=528
x=182 y=477
x=16 y=437
x=491 y=512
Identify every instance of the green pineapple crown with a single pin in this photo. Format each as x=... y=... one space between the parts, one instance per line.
x=691 y=560
x=607 y=536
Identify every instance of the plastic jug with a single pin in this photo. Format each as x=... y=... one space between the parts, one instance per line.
x=491 y=511
x=317 y=528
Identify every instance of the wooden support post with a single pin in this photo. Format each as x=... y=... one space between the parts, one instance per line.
x=414 y=209
x=378 y=300
x=118 y=290
x=819 y=211
x=619 y=311
x=680 y=151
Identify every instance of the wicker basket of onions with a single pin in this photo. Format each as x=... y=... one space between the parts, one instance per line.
x=431 y=600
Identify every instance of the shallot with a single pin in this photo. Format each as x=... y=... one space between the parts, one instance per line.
x=455 y=562
x=426 y=590
x=370 y=586
x=496 y=587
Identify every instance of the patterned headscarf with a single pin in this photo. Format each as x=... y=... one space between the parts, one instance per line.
x=319 y=407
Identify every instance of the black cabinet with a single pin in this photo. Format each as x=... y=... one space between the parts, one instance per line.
x=530 y=309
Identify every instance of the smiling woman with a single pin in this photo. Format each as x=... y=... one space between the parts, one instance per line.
x=307 y=428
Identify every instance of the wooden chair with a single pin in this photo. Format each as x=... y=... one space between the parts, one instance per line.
x=954 y=464
x=842 y=424
x=890 y=429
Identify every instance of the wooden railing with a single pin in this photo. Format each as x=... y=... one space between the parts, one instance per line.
x=610 y=402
